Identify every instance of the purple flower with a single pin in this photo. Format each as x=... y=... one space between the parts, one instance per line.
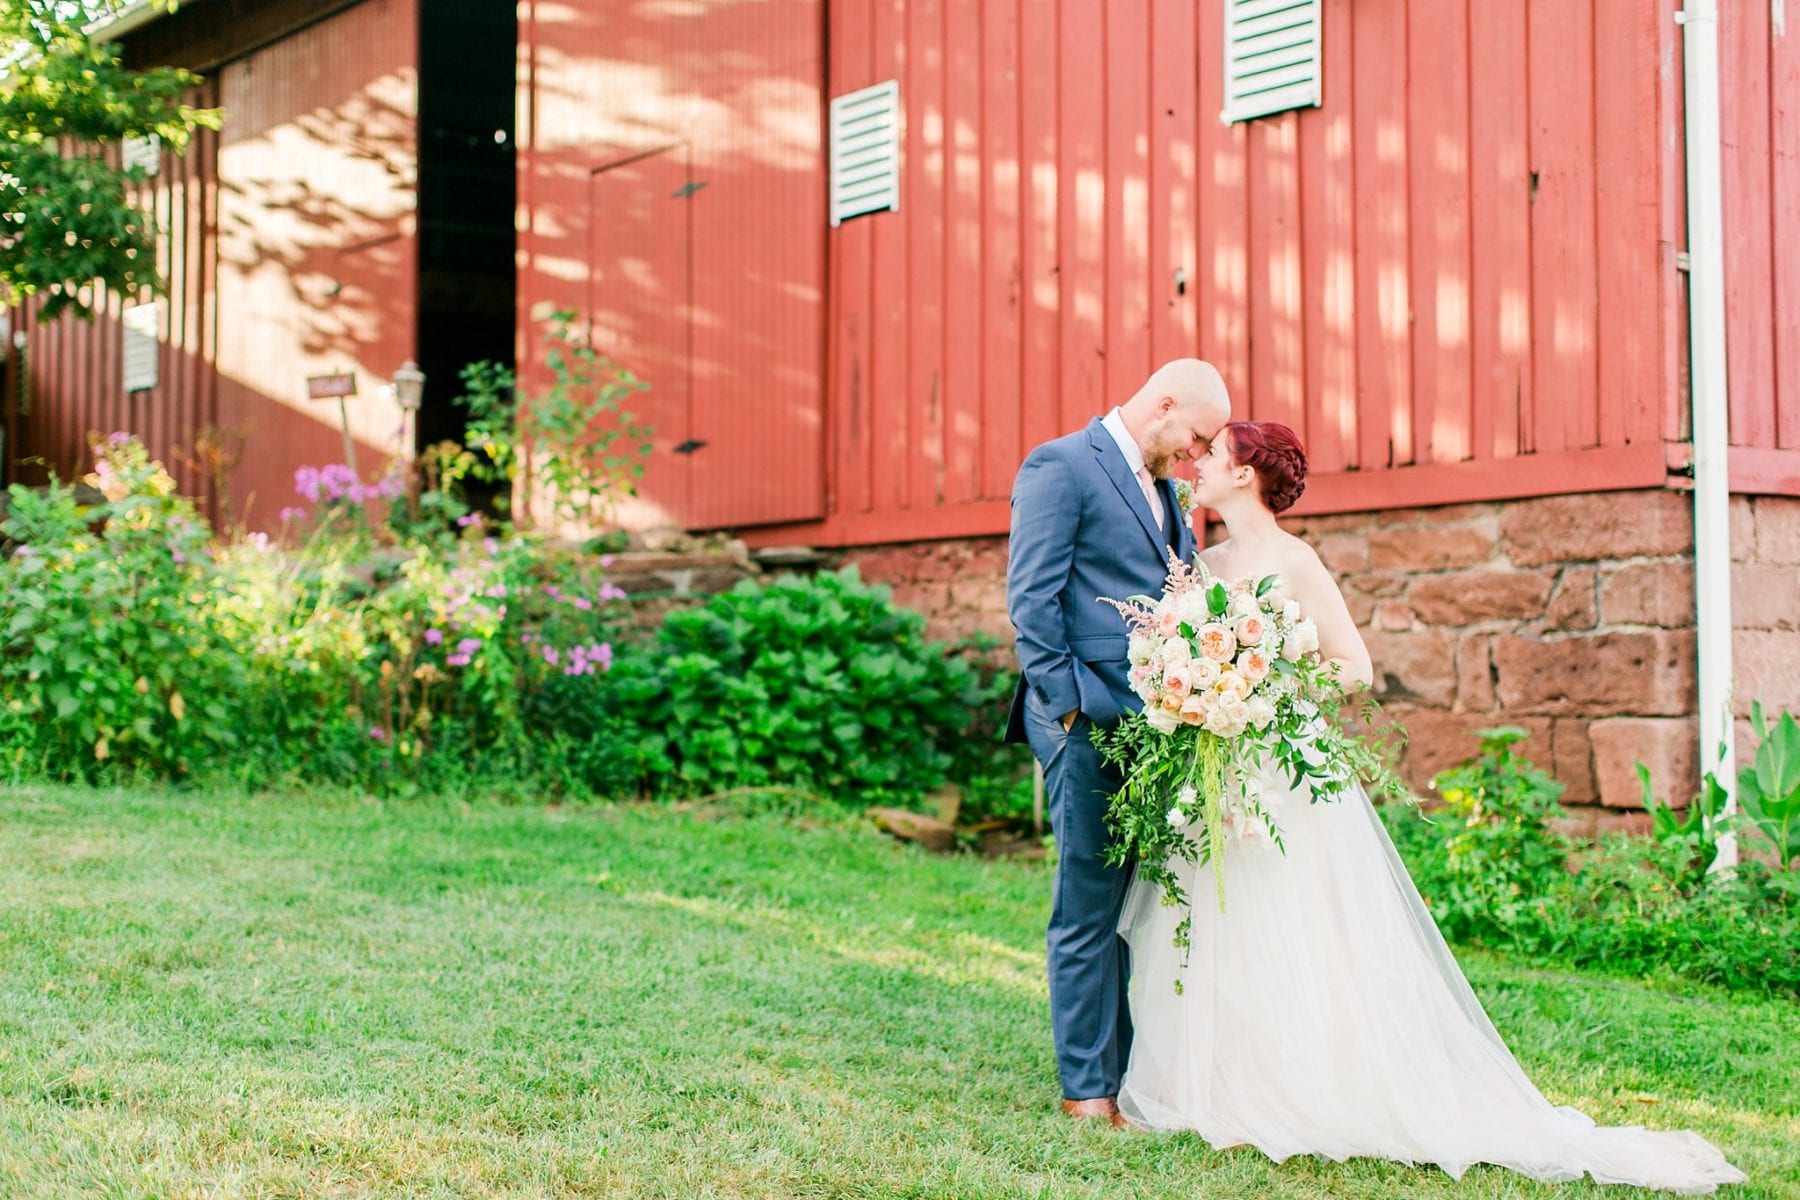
x=468 y=645
x=610 y=591
x=468 y=519
x=492 y=546
x=552 y=591
x=179 y=556
x=458 y=660
x=117 y=438
x=606 y=560
x=584 y=604
x=378 y=733
x=551 y=656
x=292 y=513
x=434 y=637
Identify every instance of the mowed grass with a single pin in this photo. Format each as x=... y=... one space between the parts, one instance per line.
x=224 y=995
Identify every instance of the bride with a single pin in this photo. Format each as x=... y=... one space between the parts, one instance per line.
x=1321 y=1012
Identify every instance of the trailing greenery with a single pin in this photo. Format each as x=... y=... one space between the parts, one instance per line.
x=65 y=98
x=1495 y=871
x=819 y=683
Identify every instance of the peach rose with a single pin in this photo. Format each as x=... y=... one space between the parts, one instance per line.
x=1216 y=642
x=1253 y=665
x=1177 y=680
x=1249 y=630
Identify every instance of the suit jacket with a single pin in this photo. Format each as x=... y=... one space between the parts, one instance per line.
x=1081 y=530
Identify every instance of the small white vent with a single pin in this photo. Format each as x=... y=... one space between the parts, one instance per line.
x=865 y=152
x=145 y=152
x=143 y=343
x=1271 y=57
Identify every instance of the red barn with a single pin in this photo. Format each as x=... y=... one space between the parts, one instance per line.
x=1451 y=253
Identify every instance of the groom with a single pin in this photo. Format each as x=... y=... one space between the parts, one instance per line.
x=1094 y=514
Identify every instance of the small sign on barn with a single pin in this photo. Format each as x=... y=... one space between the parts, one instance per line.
x=330 y=387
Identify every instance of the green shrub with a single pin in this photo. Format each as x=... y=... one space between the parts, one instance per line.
x=817 y=683
x=1499 y=850
x=111 y=659
x=1493 y=869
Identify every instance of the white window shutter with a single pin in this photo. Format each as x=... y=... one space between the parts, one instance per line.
x=1272 y=57
x=865 y=151
x=143 y=343
x=145 y=152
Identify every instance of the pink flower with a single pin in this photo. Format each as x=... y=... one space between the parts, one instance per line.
x=1178 y=681
x=1253 y=665
x=584 y=604
x=378 y=733
x=551 y=656
x=1250 y=630
x=458 y=660
x=468 y=645
x=434 y=637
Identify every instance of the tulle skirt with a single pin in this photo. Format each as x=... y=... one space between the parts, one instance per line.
x=1323 y=1014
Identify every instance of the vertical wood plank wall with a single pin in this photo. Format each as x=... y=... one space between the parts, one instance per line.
x=1456 y=277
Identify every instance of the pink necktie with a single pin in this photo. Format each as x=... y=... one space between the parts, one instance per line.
x=1145 y=482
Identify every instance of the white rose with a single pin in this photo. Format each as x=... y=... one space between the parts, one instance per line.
x=1176 y=651
x=1187 y=796
x=1308 y=633
x=1203 y=672
x=1290 y=611
x=1140 y=648
x=1161 y=719
x=1260 y=711
x=1290 y=647
x=1243 y=604
x=1177 y=818
x=1192 y=608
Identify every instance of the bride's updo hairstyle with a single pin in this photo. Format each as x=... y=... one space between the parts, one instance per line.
x=1275 y=452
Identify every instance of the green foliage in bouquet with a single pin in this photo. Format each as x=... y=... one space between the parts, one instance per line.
x=818 y=683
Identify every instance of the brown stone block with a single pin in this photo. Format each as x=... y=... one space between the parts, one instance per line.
x=1474 y=673
x=1431 y=548
x=885 y=564
x=1765 y=596
x=1446 y=514
x=1778 y=529
x=1437 y=741
x=1470 y=596
x=1393 y=616
x=1572 y=759
x=1312 y=528
x=1669 y=746
x=1419 y=667
x=1599 y=525
x=1573 y=605
x=1768 y=669
x=1361 y=606
x=1657 y=593
x=979 y=594
x=1341 y=552
x=1600 y=674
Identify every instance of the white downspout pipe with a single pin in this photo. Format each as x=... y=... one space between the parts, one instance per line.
x=1699 y=21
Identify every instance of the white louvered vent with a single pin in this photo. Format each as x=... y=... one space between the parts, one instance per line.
x=1271 y=57
x=865 y=151
x=143 y=341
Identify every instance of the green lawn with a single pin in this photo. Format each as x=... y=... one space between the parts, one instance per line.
x=227 y=995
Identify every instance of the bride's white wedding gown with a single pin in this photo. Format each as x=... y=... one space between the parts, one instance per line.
x=1322 y=1013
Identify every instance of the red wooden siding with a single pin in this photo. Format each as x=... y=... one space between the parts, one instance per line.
x=1760 y=114
x=1455 y=277
x=289 y=251
x=317 y=249
x=74 y=369
x=672 y=193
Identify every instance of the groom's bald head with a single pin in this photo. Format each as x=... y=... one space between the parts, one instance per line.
x=1177 y=413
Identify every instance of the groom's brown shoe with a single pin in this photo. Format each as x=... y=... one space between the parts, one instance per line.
x=1098 y=1109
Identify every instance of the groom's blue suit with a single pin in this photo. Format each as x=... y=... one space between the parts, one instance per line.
x=1082 y=528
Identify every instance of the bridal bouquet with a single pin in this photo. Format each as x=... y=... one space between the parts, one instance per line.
x=1232 y=681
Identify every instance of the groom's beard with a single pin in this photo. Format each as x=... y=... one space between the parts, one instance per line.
x=1160 y=466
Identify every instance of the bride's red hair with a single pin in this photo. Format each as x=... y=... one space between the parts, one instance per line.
x=1275 y=452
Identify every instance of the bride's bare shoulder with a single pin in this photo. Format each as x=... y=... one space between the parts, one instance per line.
x=1298 y=558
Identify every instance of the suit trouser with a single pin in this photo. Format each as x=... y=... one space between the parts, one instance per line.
x=1088 y=961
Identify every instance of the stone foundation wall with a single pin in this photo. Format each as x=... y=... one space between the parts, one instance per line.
x=1570 y=616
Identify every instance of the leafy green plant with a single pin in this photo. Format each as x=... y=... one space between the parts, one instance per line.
x=1769 y=788
x=1693 y=834
x=65 y=220
x=1500 y=848
x=585 y=449
x=817 y=683
x=110 y=657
